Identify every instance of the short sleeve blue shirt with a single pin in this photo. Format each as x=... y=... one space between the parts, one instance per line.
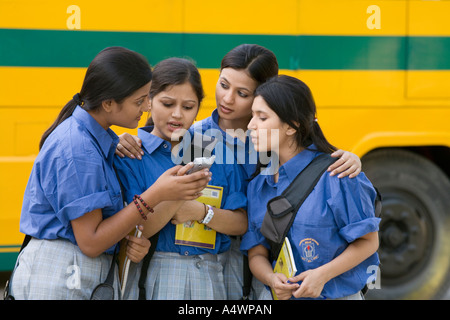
x=137 y=176
x=337 y=212
x=72 y=175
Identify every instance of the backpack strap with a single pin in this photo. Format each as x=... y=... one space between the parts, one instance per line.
x=281 y=210
x=6 y=293
x=145 y=263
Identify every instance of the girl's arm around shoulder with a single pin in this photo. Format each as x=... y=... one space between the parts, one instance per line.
x=129 y=146
x=348 y=164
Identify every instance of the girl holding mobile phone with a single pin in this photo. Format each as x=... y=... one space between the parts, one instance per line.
x=73 y=209
x=179 y=270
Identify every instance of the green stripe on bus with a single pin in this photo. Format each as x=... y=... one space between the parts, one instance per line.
x=8 y=260
x=60 y=48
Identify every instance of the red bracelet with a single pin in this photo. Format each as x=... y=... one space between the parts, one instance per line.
x=143 y=215
x=143 y=202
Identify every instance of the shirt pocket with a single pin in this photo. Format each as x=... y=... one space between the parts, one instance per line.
x=115 y=195
x=312 y=245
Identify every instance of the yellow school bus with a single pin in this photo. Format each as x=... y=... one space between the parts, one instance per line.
x=379 y=71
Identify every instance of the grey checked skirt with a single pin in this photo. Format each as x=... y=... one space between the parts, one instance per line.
x=174 y=276
x=58 y=270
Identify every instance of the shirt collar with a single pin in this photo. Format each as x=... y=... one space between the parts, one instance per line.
x=150 y=142
x=297 y=163
x=293 y=166
x=228 y=138
x=215 y=120
x=106 y=139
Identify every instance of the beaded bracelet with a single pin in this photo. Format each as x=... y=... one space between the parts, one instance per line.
x=136 y=196
x=143 y=215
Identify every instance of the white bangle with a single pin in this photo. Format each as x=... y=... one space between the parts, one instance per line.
x=209 y=215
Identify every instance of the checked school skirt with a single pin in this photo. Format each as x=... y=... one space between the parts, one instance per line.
x=58 y=270
x=174 y=276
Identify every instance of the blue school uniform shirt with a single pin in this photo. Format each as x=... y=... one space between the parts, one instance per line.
x=337 y=212
x=235 y=150
x=137 y=176
x=72 y=175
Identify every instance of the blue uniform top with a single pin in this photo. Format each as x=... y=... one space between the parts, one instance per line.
x=138 y=175
x=72 y=175
x=337 y=212
x=236 y=150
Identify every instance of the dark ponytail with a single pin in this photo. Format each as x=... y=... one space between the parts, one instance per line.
x=292 y=100
x=114 y=74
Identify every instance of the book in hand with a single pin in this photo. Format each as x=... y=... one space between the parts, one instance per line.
x=124 y=262
x=285 y=263
x=195 y=234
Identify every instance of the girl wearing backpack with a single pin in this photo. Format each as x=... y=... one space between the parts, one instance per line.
x=334 y=235
x=181 y=269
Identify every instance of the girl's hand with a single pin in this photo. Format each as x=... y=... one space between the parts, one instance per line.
x=191 y=210
x=129 y=146
x=281 y=287
x=349 y=164
x=312 y=284
x=137 y=248
x=174 y=184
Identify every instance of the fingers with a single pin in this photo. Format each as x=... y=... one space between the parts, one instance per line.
x=351 y=172
x=185 y=169
x=137 y=248
x=348 y=164
x=297 y=278
x=306 y=292
x=129 y=146
x=337 y=154
x=283 y=289
x=172 y=171
x=195 y=182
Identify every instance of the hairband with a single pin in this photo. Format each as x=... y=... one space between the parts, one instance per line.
x=77 y=99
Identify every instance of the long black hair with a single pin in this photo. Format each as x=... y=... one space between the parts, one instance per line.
x=114 y=74
x=292 y=100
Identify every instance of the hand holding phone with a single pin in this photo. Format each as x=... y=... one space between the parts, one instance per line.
x=201 y=163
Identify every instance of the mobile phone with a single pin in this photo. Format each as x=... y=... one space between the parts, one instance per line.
x=201 y=163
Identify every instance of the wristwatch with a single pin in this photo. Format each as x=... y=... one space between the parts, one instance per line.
x=209 y=215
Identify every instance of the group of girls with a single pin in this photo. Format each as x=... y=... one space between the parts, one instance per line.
x=73 y=207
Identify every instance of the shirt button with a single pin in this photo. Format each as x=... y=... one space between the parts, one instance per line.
x=165 y=146
x=186 y=253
